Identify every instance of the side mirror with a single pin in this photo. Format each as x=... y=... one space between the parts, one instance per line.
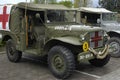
x=98 y=21
x=37 y=15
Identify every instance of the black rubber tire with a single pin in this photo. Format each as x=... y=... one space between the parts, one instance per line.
x=67 y=59
x=112 y=41
x=12 y=54
x=100 y=62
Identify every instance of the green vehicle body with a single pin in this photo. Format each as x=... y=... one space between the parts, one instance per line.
x=42 y=37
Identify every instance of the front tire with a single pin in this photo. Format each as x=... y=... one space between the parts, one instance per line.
x=100 y=62
x=114 y=44
x=12 y=54
x=61 y=62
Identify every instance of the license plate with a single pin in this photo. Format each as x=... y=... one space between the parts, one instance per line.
x=85 y=56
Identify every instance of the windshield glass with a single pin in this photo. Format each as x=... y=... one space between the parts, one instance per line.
x=109 y=17
x=58 y=16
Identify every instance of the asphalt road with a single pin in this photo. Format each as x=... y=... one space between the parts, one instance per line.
x=32 y=68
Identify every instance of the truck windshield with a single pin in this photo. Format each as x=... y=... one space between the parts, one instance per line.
x=109 y=17
x=58 y=16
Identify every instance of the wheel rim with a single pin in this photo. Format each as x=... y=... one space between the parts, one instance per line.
x=11 y=50
x=114 y=47
x=58 y=63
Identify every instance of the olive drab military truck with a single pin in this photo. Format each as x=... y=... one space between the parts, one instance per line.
x=108 y=21
x=52 y=31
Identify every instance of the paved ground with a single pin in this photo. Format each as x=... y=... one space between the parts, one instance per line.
x=115 y=75
x=31 y=68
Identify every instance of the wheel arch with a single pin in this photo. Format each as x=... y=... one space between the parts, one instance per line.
x=6 y=38
x=114 y=34
x=74 y=48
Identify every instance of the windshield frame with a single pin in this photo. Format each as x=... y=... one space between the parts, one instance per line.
x=109 y=21
x=62 y=22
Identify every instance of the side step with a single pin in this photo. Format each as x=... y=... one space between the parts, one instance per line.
x=32 y=51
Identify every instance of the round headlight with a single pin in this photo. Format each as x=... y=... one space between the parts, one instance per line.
x=82 y=37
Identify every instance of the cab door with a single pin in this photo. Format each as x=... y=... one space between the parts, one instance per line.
x=16 y=25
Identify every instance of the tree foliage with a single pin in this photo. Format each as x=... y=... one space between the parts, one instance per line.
x=66 y=3
x=76 y=3
x=113 y=5
x=83 y=3
x=36 y=1
x=45 y=1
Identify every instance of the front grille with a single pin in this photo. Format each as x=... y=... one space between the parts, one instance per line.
x=96 y=39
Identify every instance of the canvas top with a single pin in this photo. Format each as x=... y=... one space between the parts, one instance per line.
x=94 y=10
x=41 y=7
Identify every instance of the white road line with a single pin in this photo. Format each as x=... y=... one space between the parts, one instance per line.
x=2 y=52
x=43 y=76
x=87 y=74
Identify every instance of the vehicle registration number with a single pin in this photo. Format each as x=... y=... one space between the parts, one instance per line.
x=85 y=56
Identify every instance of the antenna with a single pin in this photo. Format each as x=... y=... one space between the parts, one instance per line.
x=26 y=20
x=26 y=8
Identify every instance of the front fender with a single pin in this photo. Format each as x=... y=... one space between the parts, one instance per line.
x=114 y=33
x=62 y=41
x=70 y=40
x=4 y=33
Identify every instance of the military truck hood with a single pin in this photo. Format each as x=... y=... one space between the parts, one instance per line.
x=82 y=28
x=111 y=26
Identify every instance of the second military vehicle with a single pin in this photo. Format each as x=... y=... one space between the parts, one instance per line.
x=52 y=31
x=107 y=20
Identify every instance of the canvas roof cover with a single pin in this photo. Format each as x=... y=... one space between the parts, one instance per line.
x=94 y=10
x=40 y=7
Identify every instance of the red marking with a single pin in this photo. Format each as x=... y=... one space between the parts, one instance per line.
x=96 y=39
x=4 y=17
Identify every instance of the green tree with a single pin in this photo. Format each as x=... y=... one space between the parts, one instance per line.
x=66 y=3
x=76 y=3
x=82 y=3
x=39 y=1
x=45 y=1
x=52 y=1
x=113 y=5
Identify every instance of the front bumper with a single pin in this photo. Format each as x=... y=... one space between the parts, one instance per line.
x=99 y=53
